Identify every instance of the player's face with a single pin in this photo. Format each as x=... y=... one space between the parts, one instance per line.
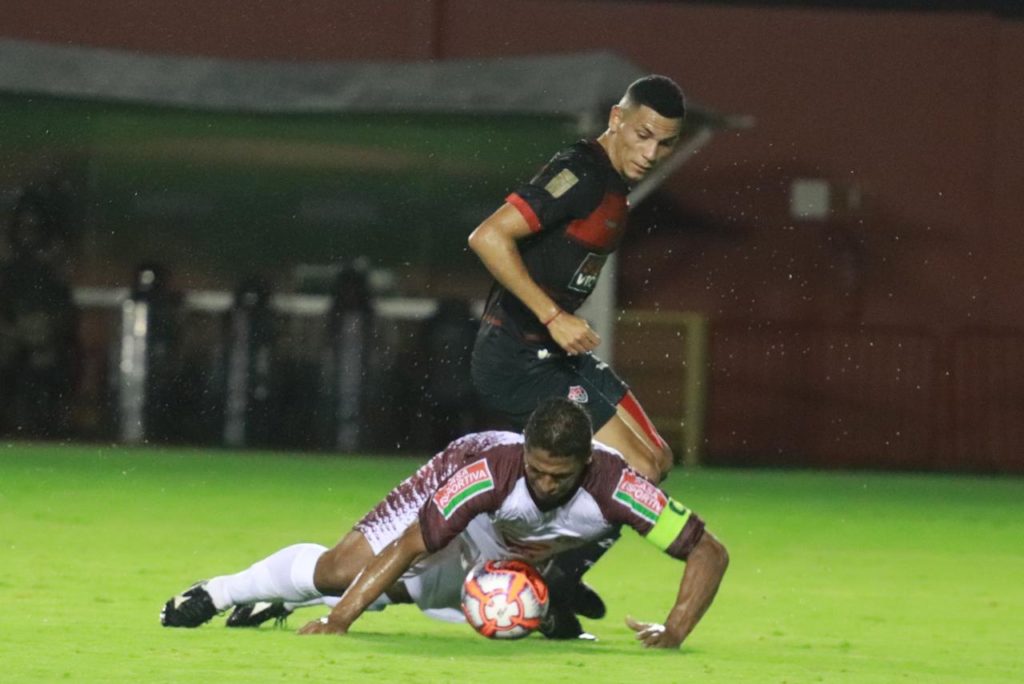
x=640 y=139
x=551 y=478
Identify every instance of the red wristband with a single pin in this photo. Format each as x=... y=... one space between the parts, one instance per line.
x=552 y=319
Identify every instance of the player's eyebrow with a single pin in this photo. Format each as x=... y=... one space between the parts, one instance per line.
x=649 y=129
x=543 y=471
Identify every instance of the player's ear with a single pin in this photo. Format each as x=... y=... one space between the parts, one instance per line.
x=615 y=118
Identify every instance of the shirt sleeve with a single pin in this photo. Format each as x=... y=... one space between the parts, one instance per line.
x=469 y=491
x=656 y=516
x=565 y=189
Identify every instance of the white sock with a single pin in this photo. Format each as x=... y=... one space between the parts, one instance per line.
x=379 y=603
x=329 y=601
x=286 y=575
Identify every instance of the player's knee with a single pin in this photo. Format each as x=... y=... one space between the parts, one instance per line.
x=664 y=460
x=652 y=462
x=328 y=576
x=337 y=567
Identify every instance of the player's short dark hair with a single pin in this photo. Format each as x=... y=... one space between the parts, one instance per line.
x=560 y=427
x=660 y=93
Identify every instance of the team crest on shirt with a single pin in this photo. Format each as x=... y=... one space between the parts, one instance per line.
x=578 y=394
x=561 y=183
x=471 y=481
x=640 y=496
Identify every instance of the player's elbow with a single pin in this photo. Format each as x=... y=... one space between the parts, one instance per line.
x=714 y=554
x=478 y=238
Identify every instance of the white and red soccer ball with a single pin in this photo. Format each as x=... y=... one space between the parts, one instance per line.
x=504 y=599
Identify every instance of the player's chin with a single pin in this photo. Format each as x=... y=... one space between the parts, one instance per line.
x=548 y=501
x=637 y=173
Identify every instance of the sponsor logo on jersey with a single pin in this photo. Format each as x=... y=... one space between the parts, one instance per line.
x=471 y=481
x=561 y=183
x=640 y=496
x=585 y=278
x=578 y=394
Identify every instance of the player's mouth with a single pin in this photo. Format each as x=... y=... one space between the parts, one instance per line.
x=642 y=170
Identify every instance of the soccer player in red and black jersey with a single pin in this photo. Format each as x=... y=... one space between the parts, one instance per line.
x=545 y=248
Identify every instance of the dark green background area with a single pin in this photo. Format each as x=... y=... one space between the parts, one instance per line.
x=220 y=195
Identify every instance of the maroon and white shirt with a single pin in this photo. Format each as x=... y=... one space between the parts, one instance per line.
x=475 y=491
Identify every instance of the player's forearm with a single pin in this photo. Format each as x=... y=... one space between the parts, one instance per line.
x=704 y=571
x=380 y=575
x=500 y=255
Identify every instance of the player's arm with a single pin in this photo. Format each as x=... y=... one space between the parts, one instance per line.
x=379 y=575
x=494 y=241
x=705 y=567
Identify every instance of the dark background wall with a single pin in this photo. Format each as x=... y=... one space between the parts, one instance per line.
x=911 y=117
x=918 y=112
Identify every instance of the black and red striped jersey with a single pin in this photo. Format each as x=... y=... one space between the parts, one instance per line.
x=576 y=207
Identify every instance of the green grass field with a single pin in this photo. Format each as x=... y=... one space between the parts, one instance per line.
x=834 y=577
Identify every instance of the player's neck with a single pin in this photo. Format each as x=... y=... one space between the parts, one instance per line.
x=604 y=140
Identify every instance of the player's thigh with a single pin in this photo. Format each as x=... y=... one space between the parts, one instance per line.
x=437 y=581
x=338 y=567
x=617 y=434
x=633 y=435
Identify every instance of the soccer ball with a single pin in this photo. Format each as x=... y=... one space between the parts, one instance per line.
x=504 y=599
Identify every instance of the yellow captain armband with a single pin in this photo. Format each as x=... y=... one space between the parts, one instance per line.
x=670 y=523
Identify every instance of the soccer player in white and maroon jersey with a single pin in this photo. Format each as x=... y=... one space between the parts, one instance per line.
x=489 y=495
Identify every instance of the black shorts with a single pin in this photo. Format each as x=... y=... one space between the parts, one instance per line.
x=512 y=377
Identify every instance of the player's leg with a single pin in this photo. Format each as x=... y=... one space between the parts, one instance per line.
x=631 y=433
x=286 y=574
x=339 y=566
x=296 y=573
x=435 y=586
x=621 y=423
x=336 y=568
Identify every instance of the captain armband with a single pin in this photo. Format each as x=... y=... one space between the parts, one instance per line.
x=670 y=523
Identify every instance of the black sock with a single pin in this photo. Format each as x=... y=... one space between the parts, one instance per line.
x=565 y=570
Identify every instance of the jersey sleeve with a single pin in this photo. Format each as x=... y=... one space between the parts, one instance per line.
x=633 y=500
x=566 y=188
x=469 y=491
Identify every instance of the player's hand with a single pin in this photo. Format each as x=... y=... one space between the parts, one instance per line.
x=573 y=334
x=653 y=634
x=322 y=626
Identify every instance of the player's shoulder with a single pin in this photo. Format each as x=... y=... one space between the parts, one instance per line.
x=488 y=443
x=609 y=469
x=584 y=156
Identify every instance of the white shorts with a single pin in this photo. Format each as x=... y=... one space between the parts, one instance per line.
x=434 y=583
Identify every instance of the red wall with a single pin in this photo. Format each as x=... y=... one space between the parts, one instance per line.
x=237 y=29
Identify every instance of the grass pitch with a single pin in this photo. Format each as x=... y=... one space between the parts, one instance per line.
x=834 y=577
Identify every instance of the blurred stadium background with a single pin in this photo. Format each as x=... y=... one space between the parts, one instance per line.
x=827 y=277
x=241 y=225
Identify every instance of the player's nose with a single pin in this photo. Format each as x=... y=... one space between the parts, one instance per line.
x=548 y=486
x=649 y=150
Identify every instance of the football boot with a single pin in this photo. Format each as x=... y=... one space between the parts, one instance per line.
x=255 y=614
x=190 y=608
